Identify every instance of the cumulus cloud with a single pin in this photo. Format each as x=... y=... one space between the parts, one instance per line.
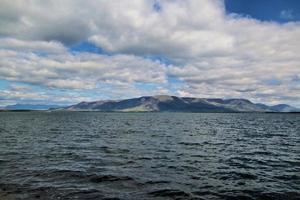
x=31 y=46
x=26 y=94
x=44 y=20
x=15 y=94
x=212 y=53
x=78 y=71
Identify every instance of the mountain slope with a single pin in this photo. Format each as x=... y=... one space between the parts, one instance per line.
x=151 y=104
x=284 y=108
x=163 y=103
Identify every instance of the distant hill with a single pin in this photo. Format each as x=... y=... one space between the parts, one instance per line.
x=30 y=107
x=164 y=103
x=284 y=108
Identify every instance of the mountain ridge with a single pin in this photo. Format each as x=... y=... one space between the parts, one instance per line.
x=30 y=107
x=165 y=103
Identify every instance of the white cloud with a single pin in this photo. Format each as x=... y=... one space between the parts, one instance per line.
x=214 y=54
x=25 y=94
x=79 y=71
x=32 y=46
x=13 y=94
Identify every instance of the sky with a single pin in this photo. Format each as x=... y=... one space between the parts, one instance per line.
x=65 y=52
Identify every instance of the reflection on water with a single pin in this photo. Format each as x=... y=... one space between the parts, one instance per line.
x=93 y=155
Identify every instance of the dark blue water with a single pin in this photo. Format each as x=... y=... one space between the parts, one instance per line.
x=94 y=155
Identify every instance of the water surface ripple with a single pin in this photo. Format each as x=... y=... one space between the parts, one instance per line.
x=94 y=155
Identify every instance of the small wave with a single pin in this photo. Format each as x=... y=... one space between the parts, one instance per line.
x=110 y=150
x=172 y=193
x=190 y=143
x=83 y=176
x=257 y=195
x=265 y=153
x=240 y=162
x=237 y=197
x=62 y=174
x=157 y=182
x=206 y=193
x=143 y=158
x=246 y=175
x=2 y=130
x=288 y=177
x=3 y=161
x=292 y=162
x=111 y=178
x=235 y=175
x=26 y=192
x=85 y=194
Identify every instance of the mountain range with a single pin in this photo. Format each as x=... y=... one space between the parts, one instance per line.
x=30 y=107
x=164 y=103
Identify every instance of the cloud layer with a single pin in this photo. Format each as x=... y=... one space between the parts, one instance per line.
x=212 y=54
x=77 y=71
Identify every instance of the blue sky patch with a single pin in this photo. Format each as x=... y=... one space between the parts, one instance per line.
x=86 y=47
x=156 y=6
x=266 y=10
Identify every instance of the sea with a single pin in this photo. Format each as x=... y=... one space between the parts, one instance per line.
x=137 y=156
